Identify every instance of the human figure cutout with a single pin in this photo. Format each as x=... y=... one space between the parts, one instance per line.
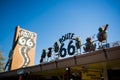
x=89 y=45
x=102 y=34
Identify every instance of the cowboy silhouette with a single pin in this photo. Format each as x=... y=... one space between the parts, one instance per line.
x=89 y=45
x=102 y=35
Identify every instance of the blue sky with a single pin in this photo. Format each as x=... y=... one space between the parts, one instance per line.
x=51 y=19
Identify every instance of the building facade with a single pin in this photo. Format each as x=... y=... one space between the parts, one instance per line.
x=97 y=65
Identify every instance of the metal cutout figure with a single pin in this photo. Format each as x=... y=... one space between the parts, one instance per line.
x=102 y=35
x=78 y=43
x=43 y=55
x=89 y=45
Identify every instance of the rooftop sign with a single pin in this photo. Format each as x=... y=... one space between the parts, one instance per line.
x=73 y=45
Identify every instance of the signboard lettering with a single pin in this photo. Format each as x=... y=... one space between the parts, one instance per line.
x=24 y=50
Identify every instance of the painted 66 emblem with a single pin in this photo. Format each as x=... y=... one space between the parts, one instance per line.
x=26 y=38
x=24 y=41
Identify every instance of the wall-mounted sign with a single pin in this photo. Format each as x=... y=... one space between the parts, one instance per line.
x=24 y=51
x=114 y=44
x=91 y=75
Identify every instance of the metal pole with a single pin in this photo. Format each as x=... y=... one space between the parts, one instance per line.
x=20 y=77
x=67 y=73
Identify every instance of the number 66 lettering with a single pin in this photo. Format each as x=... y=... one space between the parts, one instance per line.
x=26 y=42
